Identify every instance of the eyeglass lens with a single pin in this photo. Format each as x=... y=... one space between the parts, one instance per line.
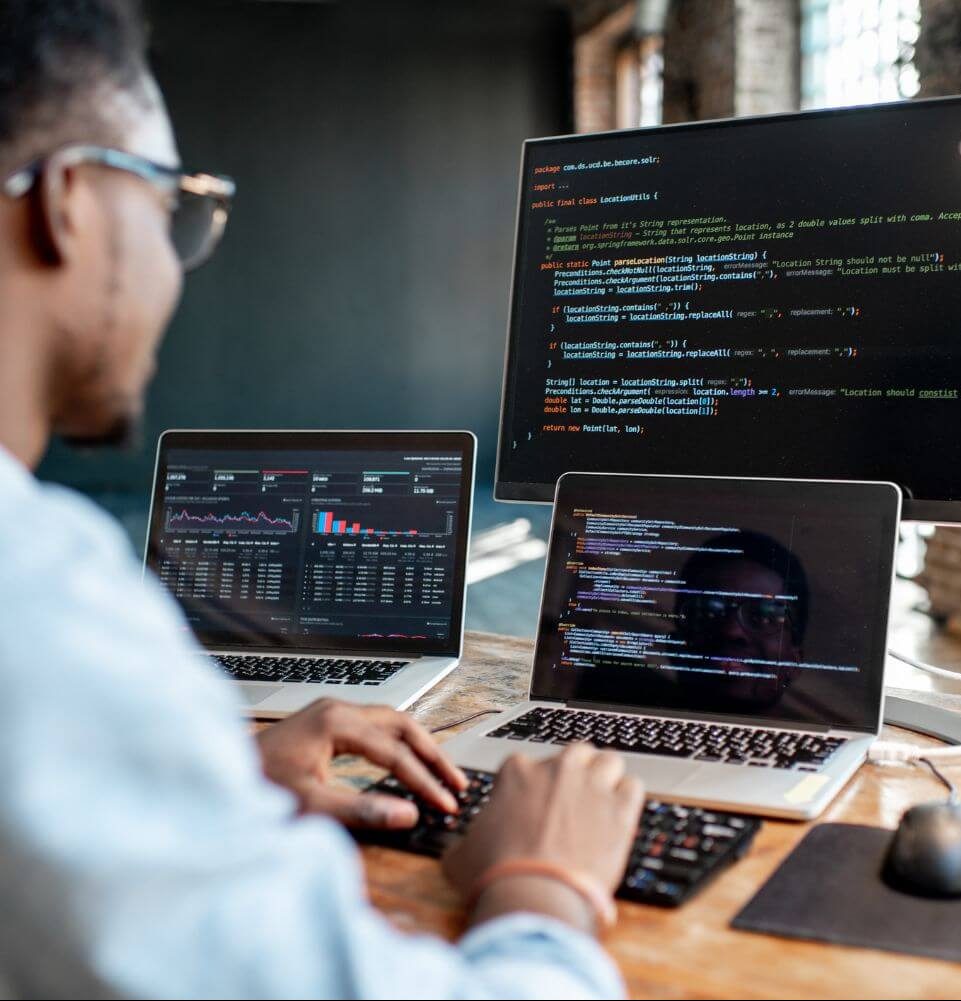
x=196 y=226
x=757 y=615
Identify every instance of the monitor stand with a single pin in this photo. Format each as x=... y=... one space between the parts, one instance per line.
x=922 y=718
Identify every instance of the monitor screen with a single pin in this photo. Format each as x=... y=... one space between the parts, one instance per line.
x=758 y=297
x=755 y=599
x=316 y=541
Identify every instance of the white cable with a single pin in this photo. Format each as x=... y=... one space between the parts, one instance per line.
x=889 y=750
x=928 y=668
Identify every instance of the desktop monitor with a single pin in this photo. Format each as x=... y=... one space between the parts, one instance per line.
x=776 y=296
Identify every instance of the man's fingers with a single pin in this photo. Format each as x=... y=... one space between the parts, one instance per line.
x=575 y=756
x=362 y=809
x=630 y=793
x=396 y=755
x=608 y=767
x=422 y=742
x=427 y=749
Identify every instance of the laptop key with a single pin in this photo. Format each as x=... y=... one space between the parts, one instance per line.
x=669 y=894
x=718 y=831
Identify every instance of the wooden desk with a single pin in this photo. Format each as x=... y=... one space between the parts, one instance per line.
x=690 y=952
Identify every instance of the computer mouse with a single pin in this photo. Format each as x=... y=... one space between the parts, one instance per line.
x=924 y=858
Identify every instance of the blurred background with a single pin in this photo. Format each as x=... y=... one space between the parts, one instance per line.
x=365 y=275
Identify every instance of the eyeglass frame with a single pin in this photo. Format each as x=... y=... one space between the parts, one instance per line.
x=737 y=605
x=219 y=187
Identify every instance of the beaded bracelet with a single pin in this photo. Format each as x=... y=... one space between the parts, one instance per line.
x=586 y=887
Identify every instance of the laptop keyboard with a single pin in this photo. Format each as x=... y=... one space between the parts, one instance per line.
x=701 y=741
x=245 y=667
x=677 y=849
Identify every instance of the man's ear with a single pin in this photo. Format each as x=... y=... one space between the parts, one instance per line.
x=61 y=215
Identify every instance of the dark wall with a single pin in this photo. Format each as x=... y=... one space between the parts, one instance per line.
x=364 y=277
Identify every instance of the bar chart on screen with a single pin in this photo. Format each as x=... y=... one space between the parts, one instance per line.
x=328 y=523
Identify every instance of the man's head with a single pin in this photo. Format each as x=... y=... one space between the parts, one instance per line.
x=746 y=608
x=87 y=267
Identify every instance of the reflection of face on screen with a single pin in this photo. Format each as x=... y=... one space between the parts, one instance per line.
x=738 y=609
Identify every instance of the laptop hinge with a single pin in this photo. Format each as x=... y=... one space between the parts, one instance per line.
x=731 y=720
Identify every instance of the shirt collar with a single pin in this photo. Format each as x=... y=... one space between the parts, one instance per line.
x=13 y=473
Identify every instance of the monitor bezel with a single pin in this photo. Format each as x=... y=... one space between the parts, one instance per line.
x=937 y=511
x=464 y=442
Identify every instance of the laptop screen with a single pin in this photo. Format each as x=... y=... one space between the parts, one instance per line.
x=315 y=540
x=756 y=599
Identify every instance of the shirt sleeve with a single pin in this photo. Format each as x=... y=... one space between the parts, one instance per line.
x=142 y=853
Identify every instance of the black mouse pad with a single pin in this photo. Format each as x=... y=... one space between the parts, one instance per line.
x=830 y=889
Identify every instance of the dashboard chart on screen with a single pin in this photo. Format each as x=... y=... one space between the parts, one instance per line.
x=758 y=297
x=348 y=543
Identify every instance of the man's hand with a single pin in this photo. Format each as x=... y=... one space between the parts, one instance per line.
x=298 y=751
x=577 y=810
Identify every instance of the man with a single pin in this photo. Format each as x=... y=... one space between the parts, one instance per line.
x=148 y=847
x=744 y=609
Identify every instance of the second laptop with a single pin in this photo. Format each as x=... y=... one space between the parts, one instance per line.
x=312 y=563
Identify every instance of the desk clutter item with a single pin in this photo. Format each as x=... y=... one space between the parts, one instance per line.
x=830 y=889
x=677 y=849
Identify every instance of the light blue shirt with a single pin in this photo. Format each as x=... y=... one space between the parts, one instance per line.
x=142 y=853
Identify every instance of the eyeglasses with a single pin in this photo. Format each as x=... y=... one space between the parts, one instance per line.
x=200 y=203
x=761 y=616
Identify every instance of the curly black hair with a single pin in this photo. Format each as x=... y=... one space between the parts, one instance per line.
x=59 y=59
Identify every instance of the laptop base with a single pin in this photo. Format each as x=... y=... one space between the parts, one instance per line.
x=788 y=794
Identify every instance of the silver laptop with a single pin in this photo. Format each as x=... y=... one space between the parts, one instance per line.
x=727 y=635
x=317 y=563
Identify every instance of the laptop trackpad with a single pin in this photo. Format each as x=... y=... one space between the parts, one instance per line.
x=659 y=774
x=254 y=694
x=743 y=784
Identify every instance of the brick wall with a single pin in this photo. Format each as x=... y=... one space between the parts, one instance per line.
x=725 y=58
x=721 y=58
x=938 y=50
x=768 y=73
x=595 y=62
x=699 y=60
